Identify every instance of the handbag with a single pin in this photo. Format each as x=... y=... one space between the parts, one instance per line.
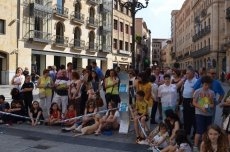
x=226 y=123
x=42 y=93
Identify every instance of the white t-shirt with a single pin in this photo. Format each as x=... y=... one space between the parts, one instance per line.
x=185 y=147
x=19 y=79
x=168 y=94
x=159 y=138
x=116 y=115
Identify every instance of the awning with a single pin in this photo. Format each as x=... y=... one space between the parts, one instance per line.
x=74 y=55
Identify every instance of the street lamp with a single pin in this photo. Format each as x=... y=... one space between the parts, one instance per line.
x=133 y=6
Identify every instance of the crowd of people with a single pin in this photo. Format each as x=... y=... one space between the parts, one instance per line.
x=185 y=100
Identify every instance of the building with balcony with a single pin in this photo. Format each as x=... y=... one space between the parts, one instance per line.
x=9 y=27
x=143 y=45
x=166 y=59
x=57 y=32
x=200 y=33
x=122 y=36
x=156 y=51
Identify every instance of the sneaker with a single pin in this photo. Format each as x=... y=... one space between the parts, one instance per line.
x=143 y=142
x=78 y=129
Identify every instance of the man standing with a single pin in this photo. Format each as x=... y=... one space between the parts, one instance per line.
x=69 y=70
x=188 y=108
x=98 y=70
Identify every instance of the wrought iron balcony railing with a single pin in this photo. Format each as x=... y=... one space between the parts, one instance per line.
x=92 y=22
x=92 y=47
x=201 y=52
x=60 y=40
x=60 y=11
x=203 y=32
x=105 y=8
x=77 y=44
x=93 y=2
x=38 y=36
x=77 y=17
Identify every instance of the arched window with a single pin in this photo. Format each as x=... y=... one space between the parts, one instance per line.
x=77 y=36
x=60 y=33
x=77 y=7
x=91 y=15
x=91 y=40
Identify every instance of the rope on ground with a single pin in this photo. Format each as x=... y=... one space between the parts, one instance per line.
x=62 y=121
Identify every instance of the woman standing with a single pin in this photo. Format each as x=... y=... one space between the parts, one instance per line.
x=18 y=78
x=167 y=93
x=112 y=88
x=45 y=85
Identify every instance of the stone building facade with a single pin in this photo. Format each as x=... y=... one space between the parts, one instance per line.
x=54 y=32
x=143 y=45
x=200 y=34
x=156 y=52
x=9 y=24
x=122 y=36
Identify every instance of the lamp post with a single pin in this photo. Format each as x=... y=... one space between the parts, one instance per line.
x=133 y=6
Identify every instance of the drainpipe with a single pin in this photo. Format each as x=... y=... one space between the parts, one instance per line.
x=17 y=29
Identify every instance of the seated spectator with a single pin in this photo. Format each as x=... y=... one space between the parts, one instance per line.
x=157 y=138
x=70 y=113
x=35 y=114
x=16 y=109
x=55 y=115
x=4 y=107
x=182 y=143
x=111 y=120
x=88 y=118
x=214 y=140
x=140 y=114
x=173 y=123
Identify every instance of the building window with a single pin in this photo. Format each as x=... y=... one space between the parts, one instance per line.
x=60 y=33
x=126 y=28
x=126 y=46
x=121 y=45
x=2 y=26
x=115 y=24
x=121 y=27
x=131 y=30
x=127 y=11
x=122 y=9
x=91 y=40
x=115 y=4
x=115 y=43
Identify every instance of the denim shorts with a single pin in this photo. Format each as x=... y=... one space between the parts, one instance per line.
x=202 y=123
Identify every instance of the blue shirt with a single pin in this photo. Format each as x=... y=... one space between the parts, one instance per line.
x=99 y=72
x=215 y=86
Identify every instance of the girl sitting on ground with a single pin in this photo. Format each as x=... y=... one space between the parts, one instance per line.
x=70 y=113
x=214 y=140
x=35 y=114
x=55 y=115
x=111 y=120
x=88 y=118
x=182 y=143
x=157 y=139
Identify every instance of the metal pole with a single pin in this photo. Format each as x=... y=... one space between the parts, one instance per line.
x=133 y=51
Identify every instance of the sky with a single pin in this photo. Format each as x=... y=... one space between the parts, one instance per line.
x=158 y=16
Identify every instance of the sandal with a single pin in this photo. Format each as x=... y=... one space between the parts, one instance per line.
x=97 y=133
